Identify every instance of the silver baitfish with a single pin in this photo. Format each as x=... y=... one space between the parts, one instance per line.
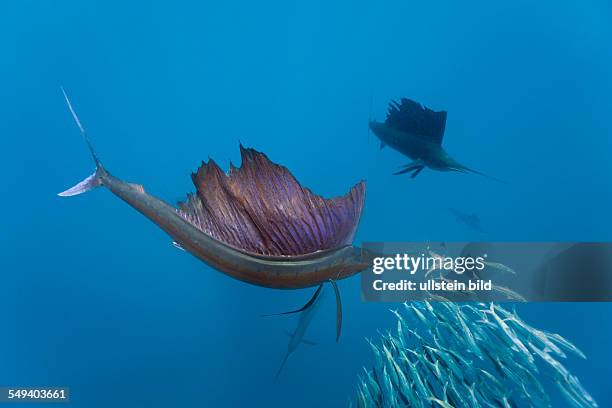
x=468 y=355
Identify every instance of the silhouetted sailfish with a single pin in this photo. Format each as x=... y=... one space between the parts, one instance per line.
x=416 y=131
x=257 y=223
x=297 y=337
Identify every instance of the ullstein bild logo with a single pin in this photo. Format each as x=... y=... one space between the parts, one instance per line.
x=500 y=271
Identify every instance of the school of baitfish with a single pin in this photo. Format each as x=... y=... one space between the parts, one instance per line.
x=467 y=355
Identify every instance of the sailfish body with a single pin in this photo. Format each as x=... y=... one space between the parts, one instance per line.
x=416 y=131
x=257 y=223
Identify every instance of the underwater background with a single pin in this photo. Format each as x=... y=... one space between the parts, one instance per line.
x=96 y=298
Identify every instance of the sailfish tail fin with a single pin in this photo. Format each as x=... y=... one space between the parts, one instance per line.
x=94 y=180
x=89 y=183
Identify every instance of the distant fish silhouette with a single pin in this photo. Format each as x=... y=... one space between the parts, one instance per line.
x=417 y=131
x=297 y=337
x=257 y=224
x=471 y=220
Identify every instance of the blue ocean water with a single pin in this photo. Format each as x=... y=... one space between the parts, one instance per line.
x=96 y=298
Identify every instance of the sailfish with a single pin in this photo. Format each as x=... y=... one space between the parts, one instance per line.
x=256 y=223
x=417 y=131
x=297 y=337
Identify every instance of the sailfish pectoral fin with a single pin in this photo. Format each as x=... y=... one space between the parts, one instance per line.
x=417 y=171
x=338 y=309
x=415 y=165
x=301 y=309
x=404 y=171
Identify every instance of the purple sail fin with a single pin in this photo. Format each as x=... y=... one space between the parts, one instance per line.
x=262 y=209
